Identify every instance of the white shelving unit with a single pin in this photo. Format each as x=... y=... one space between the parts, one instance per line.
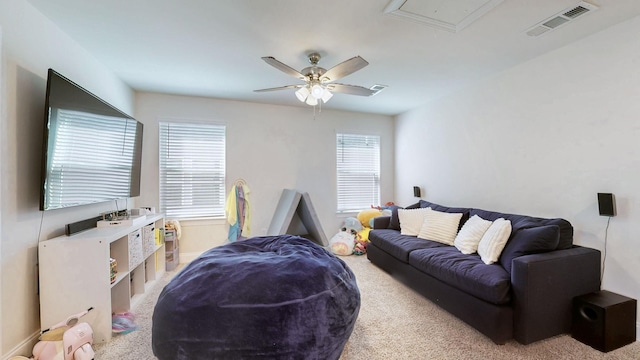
x=75 y=272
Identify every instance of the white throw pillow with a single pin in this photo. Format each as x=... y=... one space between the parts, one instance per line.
x=411 y=220
x=440 y=226
x=469 y=236
x=494 y=240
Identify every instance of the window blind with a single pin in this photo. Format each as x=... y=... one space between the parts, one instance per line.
x=358 y=170
x=90 y=158
x=192 y=170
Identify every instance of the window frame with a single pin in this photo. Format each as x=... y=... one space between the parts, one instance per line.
x=206 y=166
x=357 y=201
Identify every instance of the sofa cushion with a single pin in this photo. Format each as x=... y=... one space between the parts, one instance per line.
x=398 y=245
x=524 y=222
x=394 y=222
x=411 y=220
x=468 y=273
x=494 y=240
x=470 y=235
x=464 y=211
x=530 y=241
x=440 y=226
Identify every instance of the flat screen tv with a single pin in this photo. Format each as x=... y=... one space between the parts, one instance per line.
x=91 y=150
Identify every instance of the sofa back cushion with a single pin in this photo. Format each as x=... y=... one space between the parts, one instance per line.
x=528 y=241
x=518 y=222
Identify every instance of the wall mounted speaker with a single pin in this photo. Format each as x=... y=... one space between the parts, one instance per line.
x=416 y=191
x=607 y=204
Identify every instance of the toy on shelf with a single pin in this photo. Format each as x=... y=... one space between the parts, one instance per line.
x=113 y=270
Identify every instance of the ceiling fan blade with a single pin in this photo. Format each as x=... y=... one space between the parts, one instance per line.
x=350 y=89
x=280 y=88
x=345 y=68
x=283 y=67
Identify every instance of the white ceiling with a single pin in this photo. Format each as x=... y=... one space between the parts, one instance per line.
x=212 y=48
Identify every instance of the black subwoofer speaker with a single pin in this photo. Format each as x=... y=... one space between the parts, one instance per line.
x=604 y=320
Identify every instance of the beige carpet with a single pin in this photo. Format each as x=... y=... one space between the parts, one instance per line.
x=394 y=323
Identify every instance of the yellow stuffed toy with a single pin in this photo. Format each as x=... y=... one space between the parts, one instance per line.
x=366 y=219
x=365 y=216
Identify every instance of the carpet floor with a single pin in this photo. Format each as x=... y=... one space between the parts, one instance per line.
x=394 y=323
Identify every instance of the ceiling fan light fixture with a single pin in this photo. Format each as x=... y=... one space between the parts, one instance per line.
x=318 y=82
x=302 y=93
x=317 y=91
x=326 y=96
x=312 y=101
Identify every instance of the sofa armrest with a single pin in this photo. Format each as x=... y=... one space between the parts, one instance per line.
x=544 y=286
x=381 y=222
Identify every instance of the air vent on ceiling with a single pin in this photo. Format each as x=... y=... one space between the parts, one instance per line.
x=561 y=19
x=377 y=88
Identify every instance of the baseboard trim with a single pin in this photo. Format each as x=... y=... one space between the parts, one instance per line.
x=25 y=347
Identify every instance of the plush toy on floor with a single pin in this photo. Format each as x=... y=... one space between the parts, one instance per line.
x=360 y=248
x=366 y=217
x=67 y=340
x=344 y=241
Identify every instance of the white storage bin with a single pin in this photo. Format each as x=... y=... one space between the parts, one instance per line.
x=136 y=255
x=148 y=239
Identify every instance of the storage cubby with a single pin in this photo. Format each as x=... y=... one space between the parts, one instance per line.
x=172 y=251
x=75 y=272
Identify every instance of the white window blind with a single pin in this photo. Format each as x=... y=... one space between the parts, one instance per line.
x=358 y=169
x=90 y=158
x=192 y=170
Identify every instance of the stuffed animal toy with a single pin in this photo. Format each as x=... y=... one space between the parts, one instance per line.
x=366 y=219
x=361 y=247
x=366 y=216
x=174 y=225
x=344 y=241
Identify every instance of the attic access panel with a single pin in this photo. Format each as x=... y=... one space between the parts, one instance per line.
x=452 y=16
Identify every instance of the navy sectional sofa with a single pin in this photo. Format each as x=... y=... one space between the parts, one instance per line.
x=527 y=295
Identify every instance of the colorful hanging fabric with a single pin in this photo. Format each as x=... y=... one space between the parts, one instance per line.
x=238 y=212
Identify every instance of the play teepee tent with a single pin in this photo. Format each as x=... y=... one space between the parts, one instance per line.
x=295 y=215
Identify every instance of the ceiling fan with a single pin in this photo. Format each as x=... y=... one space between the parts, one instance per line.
x=319 y=82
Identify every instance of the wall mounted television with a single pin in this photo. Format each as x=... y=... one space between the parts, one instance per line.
x=91 y=150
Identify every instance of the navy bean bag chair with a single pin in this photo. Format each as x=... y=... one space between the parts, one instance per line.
x=272 y=297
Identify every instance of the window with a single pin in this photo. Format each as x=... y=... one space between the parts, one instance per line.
x=91 y=158
x=358 y=169
x=192 y=170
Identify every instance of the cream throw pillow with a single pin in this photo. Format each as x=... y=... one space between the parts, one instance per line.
x=440 y=226
x=494 y=240
x=469 y=236
x=411 y=220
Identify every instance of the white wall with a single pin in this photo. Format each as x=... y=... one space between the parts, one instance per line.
x=542 y=139
x=31 y=45
x=272 y=148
